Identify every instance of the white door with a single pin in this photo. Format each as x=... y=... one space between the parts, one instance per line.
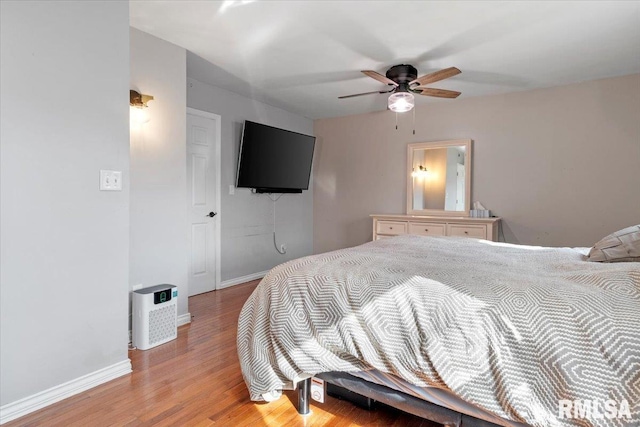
x=460 y=194
x=203 y=151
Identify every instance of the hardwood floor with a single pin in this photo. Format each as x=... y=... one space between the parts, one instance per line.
x=196 y=381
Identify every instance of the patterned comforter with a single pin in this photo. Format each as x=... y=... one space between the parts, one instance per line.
x=516 y=330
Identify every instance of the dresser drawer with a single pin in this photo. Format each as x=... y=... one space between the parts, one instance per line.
x=464 y=230
x=427 y=229
x=391 y=227
x=380 y=237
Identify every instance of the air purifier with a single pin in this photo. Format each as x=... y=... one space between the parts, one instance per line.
x=155 y=316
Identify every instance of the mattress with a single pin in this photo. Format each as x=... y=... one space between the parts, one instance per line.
x=512 y=330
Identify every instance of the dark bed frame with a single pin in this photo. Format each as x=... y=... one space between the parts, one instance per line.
x=390 y=397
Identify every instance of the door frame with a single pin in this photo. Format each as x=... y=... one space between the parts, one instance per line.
x=218 y=166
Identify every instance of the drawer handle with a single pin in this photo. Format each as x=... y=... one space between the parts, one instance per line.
x=426 y=229
x=466 y=232
x=390 y=228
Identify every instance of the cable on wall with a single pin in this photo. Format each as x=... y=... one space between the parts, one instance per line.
x=501 y=231
x=275 y=245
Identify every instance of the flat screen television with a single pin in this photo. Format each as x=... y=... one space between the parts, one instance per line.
x=273 y=160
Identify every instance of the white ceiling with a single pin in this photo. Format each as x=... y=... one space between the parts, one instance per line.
x=302 y=55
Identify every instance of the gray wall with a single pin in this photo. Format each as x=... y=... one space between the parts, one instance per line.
x=64 y=244
x=560 y=165
x=247 y=219
x=158 y=243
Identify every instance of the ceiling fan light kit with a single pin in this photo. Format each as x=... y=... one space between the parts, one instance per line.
x=401 y=102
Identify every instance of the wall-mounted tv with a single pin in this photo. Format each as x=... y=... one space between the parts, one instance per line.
x=273 y=160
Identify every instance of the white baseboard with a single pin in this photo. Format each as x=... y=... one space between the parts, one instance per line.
x=243 y=279
x=24 y=406
x=184 y=319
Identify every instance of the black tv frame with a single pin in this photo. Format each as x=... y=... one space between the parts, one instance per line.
x=272 y=190
x=279 y=190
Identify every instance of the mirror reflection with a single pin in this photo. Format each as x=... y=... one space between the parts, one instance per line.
x=439 y=177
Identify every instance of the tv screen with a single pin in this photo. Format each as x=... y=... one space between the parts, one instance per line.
x=274 y=160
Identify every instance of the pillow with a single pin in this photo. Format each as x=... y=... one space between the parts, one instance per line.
x=623 y=245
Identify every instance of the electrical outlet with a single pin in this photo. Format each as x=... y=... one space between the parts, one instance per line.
x=283 y=247
x=232 y=190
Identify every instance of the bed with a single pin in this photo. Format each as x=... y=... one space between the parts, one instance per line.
x=508 y=330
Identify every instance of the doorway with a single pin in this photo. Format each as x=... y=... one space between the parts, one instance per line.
x=203 y=201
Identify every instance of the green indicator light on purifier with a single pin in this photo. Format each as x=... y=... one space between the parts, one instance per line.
x=162 y=296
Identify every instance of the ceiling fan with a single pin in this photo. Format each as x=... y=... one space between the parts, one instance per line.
x=404 y=82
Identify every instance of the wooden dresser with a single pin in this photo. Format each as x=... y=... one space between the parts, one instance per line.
x=393 y=225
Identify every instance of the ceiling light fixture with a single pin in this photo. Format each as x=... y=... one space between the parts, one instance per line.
x=228 y=4
x=401 y=102
x=138 y=107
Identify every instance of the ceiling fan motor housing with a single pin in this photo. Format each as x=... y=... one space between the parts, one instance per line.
x=402 y=73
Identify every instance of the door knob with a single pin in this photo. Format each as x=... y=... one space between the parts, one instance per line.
x=212 y=214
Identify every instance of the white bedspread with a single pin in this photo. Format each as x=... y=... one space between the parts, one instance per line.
x=510 y=329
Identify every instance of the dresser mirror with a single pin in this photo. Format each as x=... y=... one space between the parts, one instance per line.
x=439 y=178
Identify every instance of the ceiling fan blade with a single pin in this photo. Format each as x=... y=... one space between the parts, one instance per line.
x=436 y=77
x=438 y=93
x=379 y=77
x=365 y=93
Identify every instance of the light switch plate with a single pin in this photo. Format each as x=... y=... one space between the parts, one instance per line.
x=110 y=180
x=232 y=190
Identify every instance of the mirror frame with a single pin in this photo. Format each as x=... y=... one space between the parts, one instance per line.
x=467 y=164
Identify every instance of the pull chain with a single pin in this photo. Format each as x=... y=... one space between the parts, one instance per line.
x=414 y=121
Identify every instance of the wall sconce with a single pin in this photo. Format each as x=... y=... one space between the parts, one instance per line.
x=420 y=173
x=138 y=113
